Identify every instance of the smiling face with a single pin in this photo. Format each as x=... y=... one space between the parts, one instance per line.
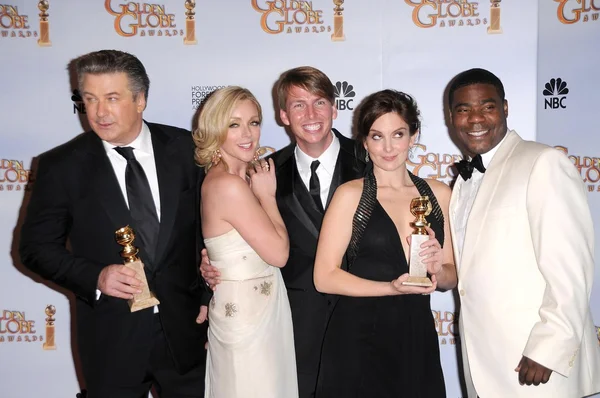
x=243 y=133
x=113 y=112
x=478 y=116
x=310 y=118
x=388 y=141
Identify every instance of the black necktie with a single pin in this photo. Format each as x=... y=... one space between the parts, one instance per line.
x=141 y=205
x=465 y=167
x=315 y=185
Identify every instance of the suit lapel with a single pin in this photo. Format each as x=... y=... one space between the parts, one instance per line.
x=452 y=215
x=347 y=167
x=166 y=159
x=486 y=192
x=106 y=186
x=286 y=176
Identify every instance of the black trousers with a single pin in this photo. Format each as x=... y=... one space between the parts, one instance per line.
x=160 y=374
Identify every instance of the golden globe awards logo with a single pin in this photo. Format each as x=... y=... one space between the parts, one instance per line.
x=142 y=19
x=438 y=166
x=455 y=13
x=13 y=175
x=293 y=17
x=16 y=327
x=446 y=326
x=574 y=11
x=589 y=168
x=13 y=24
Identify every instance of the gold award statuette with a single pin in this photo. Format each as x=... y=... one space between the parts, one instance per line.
x=190 y=23
x=44 y=40
x=420 y=208
x=494 y=17
x=338 y=21
x=125 y=236
x=50 y=344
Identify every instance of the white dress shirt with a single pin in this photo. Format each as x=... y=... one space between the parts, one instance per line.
x=466 y=198
x=325 y=170
x=144 y=154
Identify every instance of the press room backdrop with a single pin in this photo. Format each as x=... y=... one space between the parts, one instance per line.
x=545 y=52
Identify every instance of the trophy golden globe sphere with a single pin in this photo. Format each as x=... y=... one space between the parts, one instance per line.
x=50 y=310
x=125 y=236
x=43 y=5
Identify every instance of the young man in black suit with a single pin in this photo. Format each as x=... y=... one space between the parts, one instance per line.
x=124 y=172
x=308 y=172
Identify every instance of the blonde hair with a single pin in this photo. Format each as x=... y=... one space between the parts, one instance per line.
x=214 y=119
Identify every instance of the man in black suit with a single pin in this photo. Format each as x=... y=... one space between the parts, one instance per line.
x=308 y=172
x=123 y=172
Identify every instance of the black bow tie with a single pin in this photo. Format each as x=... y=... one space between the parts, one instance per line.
x=465 y=167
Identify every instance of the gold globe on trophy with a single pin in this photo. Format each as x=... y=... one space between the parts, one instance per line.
x=420 y=208
x=44 y=40
x=338 y=21
x=190 y=23
x=125 y=237
x=50 y=344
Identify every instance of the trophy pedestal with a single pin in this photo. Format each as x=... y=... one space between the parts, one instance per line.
x=417 y=270
x=146 y=298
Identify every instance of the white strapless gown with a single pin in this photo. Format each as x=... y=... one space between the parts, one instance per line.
x=250 y=335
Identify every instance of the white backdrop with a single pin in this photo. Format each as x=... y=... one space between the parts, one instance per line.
x=415 y=46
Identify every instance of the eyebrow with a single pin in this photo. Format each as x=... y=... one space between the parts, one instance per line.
x=394 y=131
x=483 y=101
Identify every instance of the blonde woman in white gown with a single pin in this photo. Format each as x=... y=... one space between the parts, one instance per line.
x=250 y=338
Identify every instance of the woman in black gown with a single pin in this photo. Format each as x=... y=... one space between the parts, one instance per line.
x=381 y=339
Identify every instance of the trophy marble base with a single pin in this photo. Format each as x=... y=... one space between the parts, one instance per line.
x=146 y=298
x=417 y=270
x=418 y=281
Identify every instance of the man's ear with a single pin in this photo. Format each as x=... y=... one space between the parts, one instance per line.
x=284 y=117
x=140 y=102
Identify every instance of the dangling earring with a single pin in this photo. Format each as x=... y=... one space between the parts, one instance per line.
x=257 y=155
x=367 y=157
x=411 y=152
x=216 y=157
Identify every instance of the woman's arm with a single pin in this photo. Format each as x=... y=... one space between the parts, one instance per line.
x=334 y=238
x=230 y=199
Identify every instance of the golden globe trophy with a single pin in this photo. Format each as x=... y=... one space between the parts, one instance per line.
x=44 y=40
x=50 y=344
x=190 y=23
x=420 y=208
x=494 y=27
x=125 y=236
x=338 y=21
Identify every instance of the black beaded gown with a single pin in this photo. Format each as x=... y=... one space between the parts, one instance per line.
x=379 y=347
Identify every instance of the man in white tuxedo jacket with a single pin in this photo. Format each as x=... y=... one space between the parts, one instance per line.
x=524 y=244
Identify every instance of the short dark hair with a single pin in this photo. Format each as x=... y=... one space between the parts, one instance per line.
x=114 y=61
x=308 y=78
x=474 y=76
x=387 y=101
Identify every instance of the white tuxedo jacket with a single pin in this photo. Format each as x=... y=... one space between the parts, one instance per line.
x=525 y=275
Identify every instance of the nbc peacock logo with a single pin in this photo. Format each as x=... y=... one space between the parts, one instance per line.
x=555 y=91
x=78 y=105
x=344 y=96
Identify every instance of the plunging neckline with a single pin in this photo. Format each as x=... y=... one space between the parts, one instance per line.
x=397 y=234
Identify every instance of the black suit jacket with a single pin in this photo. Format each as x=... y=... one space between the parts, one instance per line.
x=77 y=198
x=303 y=222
